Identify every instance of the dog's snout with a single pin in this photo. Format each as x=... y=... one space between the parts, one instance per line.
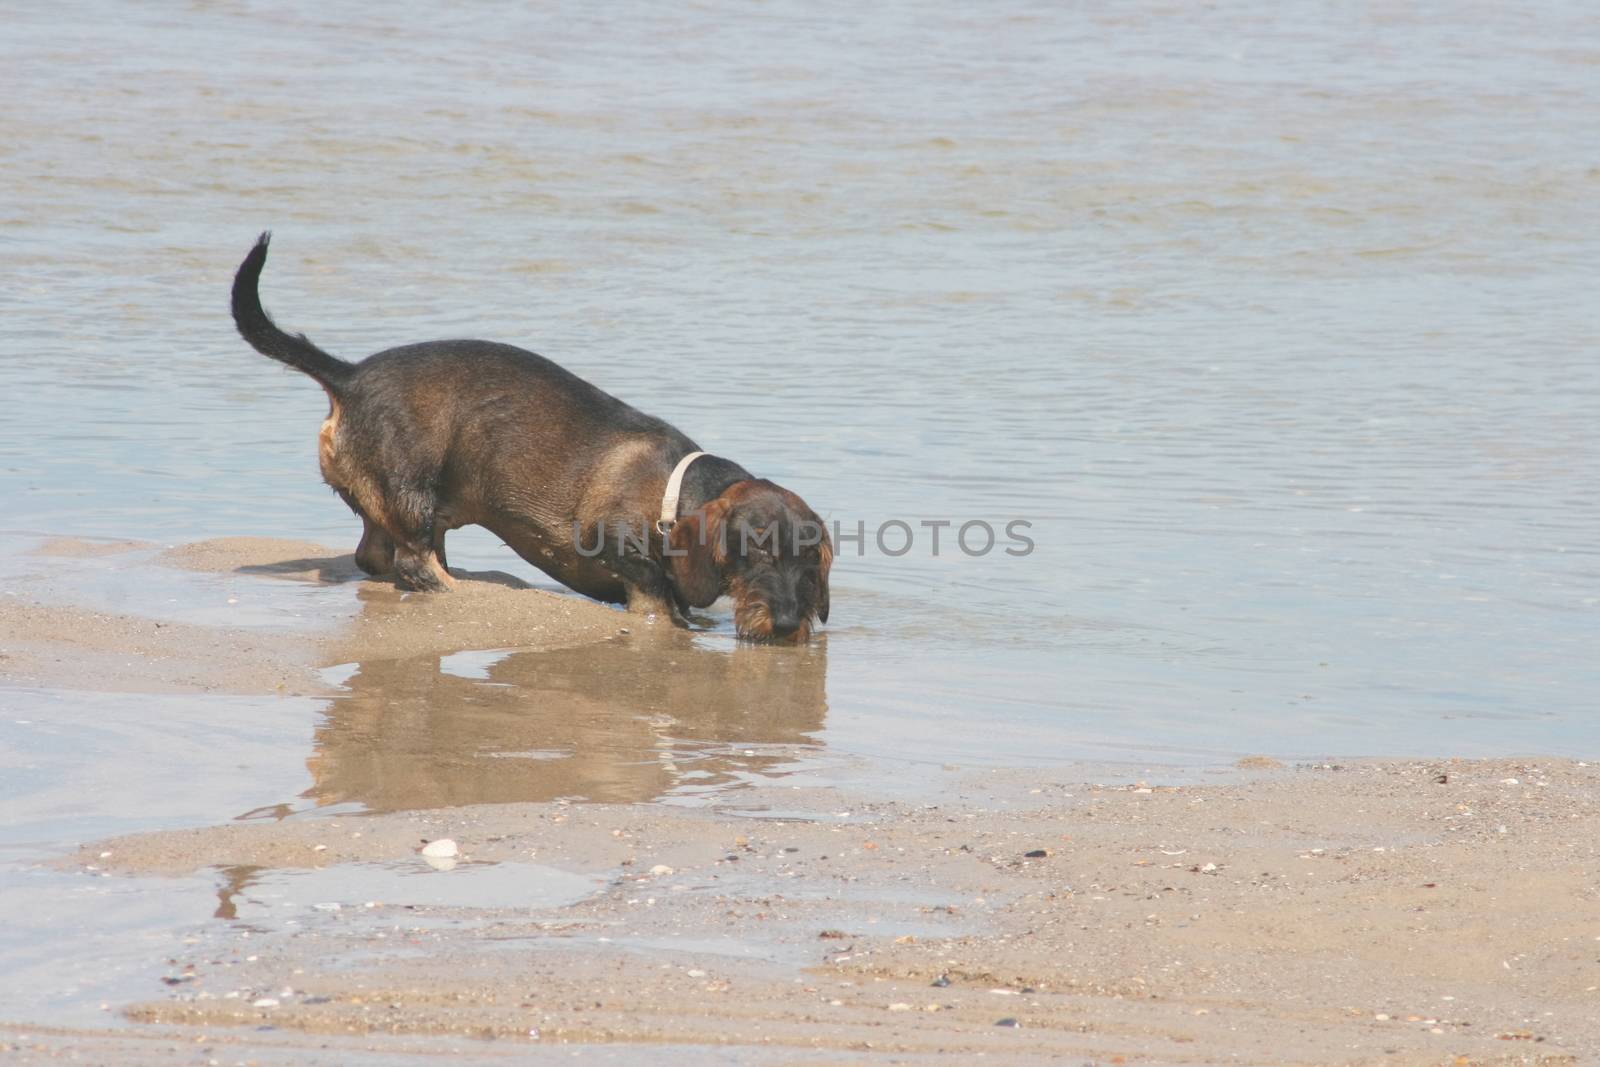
x=785 y=621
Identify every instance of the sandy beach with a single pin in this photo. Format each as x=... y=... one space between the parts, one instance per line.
x=1371 y=912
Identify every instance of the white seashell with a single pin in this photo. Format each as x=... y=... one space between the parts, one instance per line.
x=444 y=848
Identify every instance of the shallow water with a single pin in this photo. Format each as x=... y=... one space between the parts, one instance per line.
x=1278 y=327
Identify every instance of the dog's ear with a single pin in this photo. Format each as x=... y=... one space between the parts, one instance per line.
x=825 y=551
x=699 y=552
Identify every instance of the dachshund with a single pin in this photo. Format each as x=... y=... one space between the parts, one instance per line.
x=609 y=501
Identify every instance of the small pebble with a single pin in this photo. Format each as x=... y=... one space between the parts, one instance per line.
x=1007 y=1021
x=661 y=869
x=940 y=982
x=442 y=849
x=265 y=1002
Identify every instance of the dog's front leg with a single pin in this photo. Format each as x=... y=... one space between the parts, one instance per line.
x=643 y=602
x=648 y=590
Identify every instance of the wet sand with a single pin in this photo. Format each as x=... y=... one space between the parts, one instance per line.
x=1313 y=915
x=46 y=642
x=1373 y=912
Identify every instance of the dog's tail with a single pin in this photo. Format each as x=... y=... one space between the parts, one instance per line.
x=264 y=335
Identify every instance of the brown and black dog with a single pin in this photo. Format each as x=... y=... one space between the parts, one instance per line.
x=424 y=438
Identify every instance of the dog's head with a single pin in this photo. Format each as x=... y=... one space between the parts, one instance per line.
x=763 y=546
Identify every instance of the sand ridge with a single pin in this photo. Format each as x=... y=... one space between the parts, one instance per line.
x=49 y=635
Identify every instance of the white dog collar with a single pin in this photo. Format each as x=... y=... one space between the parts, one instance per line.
x=669 y=499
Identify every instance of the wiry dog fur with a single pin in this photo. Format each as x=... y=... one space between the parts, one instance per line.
x=424 y=438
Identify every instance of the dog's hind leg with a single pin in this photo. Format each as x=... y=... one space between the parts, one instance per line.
x=439 y=530
x=375 y=552
x=418 y=566
x=420 y=570
x=418 y=535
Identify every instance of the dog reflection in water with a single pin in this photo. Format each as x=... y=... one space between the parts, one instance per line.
x=619 y=722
